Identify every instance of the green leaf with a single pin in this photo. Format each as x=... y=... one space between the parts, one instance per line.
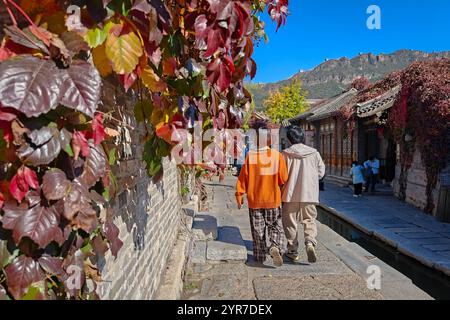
x=175 y=43
x=31 y=294
x=182 y=86
x=122 y=6
x=68 y=150
x=106 y=194
x=112 y=156
x=9 y=258
x=87 y=248
x=154 y=167
x=95 y=37
x=163 y=149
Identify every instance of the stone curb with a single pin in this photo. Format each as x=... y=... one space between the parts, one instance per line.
x=171 y=286
x=401 y=247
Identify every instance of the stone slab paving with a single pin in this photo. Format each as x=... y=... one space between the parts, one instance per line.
x=204 y=227
x=397 y=223
x=314 y=287
x=222 y=251
x=340 y=272
x=198 y=252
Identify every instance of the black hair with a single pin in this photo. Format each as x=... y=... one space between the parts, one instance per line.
x=355 y=163
x=372 y=158
x=295 y=134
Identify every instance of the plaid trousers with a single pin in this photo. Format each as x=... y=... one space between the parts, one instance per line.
x=262 y=222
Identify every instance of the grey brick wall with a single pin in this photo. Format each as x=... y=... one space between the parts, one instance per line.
x=416 y=184
x=147 y=214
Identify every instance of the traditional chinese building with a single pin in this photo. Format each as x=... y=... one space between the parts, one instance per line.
x=325 y=132
x=371 y=137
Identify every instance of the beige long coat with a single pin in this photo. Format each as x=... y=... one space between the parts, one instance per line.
x=305 y=167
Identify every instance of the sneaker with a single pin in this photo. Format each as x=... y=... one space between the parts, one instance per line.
x=276 y=256
x=293 y=256
x=355 y=195
x=311 y=252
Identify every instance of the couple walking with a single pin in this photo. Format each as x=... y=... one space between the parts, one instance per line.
x=282 y=190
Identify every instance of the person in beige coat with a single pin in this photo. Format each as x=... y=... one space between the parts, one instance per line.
x=301 y=193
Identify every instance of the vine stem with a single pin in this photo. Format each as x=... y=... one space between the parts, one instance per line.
x=116 y=120
x=14 y=20
x=21 y=11
x=11 y=15
x=48 y=277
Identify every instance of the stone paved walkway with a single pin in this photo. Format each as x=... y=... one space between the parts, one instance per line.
x=397 y=223
x=219 y=269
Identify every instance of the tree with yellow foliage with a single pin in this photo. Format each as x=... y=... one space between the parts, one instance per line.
x=286 y=102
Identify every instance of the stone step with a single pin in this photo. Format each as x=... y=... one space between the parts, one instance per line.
x=229 y=246
x=204 y=227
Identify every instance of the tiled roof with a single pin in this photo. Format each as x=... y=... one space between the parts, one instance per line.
x=378 y=104
x=314 y=106
x=331 y=107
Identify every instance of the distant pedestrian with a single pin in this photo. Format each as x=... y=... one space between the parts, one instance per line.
x=357 y=174
x=301 y=193
x=372 y=169
x=261 y=177
x=243 y=156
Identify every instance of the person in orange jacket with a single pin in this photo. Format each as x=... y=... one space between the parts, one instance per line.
x=263 y=174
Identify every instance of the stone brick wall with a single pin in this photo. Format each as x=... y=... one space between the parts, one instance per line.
x=147 y=214
x=416 y=183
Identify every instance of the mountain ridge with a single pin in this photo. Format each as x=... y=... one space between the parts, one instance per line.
x=335 y=75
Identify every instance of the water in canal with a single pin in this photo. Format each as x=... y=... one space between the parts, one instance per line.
x=432 y=281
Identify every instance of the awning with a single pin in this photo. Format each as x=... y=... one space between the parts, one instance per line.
x=379 y=104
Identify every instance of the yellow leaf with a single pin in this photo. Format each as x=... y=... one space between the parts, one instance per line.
x=124 y=52
x=101 y=61
x=152 y=81
x=161 y=116
x=157 y=116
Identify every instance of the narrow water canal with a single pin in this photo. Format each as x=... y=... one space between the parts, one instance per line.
x=432 y=281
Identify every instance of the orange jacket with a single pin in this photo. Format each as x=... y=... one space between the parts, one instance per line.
x=261 y=178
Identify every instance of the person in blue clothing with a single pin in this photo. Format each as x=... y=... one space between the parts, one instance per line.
x=357 y=173
x=372 y=169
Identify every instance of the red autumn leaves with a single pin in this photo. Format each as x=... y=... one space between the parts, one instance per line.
x=172 y=132
x=220 y=71
x=80 y=139
x=278 y=11
x=218 y=34
x=26 y=178
x=21 y=183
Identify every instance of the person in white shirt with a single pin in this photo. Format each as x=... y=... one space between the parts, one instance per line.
x=372 y=168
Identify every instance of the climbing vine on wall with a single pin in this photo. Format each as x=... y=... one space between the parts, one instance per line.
x=419 y=117
x=186 y=60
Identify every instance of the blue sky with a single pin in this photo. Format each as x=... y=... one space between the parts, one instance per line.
x=321 y=29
